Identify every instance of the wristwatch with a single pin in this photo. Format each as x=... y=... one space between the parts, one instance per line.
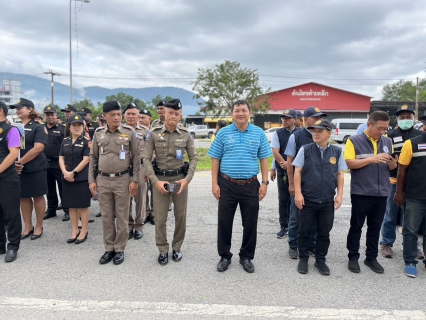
x=265 y=182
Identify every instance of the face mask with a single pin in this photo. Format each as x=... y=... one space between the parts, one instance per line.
x=405 y=124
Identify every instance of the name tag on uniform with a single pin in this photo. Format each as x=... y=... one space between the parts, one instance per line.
x=180 y=140
x=78 y=145
x=422 y=146
x=397 y=139
x=56 y=132
x=179 y=154
x=28 y=129
x=171 y=188
x=122 y=153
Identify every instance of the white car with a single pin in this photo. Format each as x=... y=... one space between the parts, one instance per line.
x=270 y=132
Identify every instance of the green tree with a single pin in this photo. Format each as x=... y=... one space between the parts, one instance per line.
x=404 y=91
x=86 y=103
x=221 y=86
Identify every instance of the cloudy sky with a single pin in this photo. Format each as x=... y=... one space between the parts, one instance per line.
x=354 y=45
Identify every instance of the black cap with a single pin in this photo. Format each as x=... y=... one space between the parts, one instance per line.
x=111 y=105
x=161 y=103
x=22 y=103
x=49 y=109
x=322 y=124
x=4 y=107
x=68 y=108
x=86 y=111
x=405 y=108
x=313 y=112
x=102 y=118
x=144 y=111
x=76 y=118
x=174 y=104
x=131 y=105
x=299 y=114
x=289 y=113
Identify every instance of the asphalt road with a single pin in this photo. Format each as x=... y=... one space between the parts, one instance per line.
x=55 y=280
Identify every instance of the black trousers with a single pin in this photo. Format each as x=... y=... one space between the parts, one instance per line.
x=247 y=196
x=283 y=197
x=10 y=194
x=53 y=177
x=323 y=215
x=372 y=208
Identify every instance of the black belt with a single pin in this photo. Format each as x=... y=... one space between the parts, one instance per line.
x=113 y=175
x=168 y=173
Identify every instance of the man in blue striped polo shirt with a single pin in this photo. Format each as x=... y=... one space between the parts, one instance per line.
x=236 y=153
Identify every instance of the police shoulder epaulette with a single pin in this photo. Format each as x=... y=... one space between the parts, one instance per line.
x=156 y=128
x=99 y=128
x=67 y=138
x=127 y=126
x=183 y=129
x=87 y=138
x=63 y=124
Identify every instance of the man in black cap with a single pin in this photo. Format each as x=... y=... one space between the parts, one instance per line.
x=161 y=111
x=170 y=177
x=145 y=120
x=318 y=172
x=114 y=149
x=69 y=111
x=10 y=187
x=278 y=145
x=91 y=125
x=423 y=120
x=405 y=131
x=56 y=134
x=299 y=120
x=131 y=115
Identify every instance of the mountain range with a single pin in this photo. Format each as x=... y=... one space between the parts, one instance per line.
x=38 y=90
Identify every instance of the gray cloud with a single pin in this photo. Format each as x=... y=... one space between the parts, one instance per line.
x=314 y=40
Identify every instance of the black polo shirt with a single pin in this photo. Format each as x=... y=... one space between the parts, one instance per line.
x=73 y=154
x=55 y=135
x=92 y=128
x=34 y=132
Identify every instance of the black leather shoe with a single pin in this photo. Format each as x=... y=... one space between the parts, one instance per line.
x=152 y=220
x=137 y=234
x=49 y=215
x=163 y=259
x=223 y=264
x=2 y=251
x=66 y=217
x=24 y=236
x=98 y=215
x=130 y=234
x=11 y=255
x=107 y=257
x=36 y=236
x=302 y=267
x=78 y=241
x=322 y=268
x=374 y=265
x=247 y=265
x=177 y=255
x=118 y=258
x=353 y=266
x=71 y=240
x=147 y=219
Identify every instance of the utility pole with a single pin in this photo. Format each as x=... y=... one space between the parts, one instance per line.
x=417 y=99
x=52 y=84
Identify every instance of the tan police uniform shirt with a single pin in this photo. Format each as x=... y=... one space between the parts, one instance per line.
x=106 y=150
x=141 y=133
x=157 y=123
x=165 y=144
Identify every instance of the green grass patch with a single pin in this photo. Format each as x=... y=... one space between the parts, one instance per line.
x=205 y=162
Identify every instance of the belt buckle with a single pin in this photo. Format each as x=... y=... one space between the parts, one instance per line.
x=241 y=182
x=112 y=175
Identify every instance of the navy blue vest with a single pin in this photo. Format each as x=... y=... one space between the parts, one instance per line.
x=283 y=137
x=373 y=179
x=319 y=175
x=416 y=175
x=302 y=137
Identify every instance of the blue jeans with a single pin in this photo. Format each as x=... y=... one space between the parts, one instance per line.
x=293 y=226
x=415 y=212
x=389 y=222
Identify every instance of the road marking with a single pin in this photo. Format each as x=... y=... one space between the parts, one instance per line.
x=206 y=309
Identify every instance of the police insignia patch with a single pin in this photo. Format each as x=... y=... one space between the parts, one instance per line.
x=318 y=122
x=89 y=144
x=404 y=107
x=148 y=136
x=333 y=160
x=385 y=149
x=287 y=112
x=317 y=110
x=1 y=130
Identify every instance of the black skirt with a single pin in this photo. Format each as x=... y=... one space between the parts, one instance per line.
x=76 y=194
x=33 y=184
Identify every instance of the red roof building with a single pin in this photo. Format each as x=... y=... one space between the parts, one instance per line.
x=312 y=94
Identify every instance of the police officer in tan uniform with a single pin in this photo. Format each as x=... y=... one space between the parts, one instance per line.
x=131 y=115
x=114 y=150
x=170 y=176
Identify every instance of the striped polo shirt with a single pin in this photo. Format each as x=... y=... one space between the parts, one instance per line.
x=239 y=152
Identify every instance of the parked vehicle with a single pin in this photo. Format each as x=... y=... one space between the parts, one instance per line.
x=201 y=131
x=344 y=128
x=270 y=132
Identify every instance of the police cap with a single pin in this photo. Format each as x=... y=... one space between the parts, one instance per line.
x=323 y=124
x=49 y=109
x=4 y=107
x=289 y=113
x=68 y=108
x=131 y=105
x=76 y=118
x=111 y=105
x=313 y=112
x=405 y=108
x=162 y=103
x=86 y=111
x=174 y=104
x=144 y=111
x=22 y=103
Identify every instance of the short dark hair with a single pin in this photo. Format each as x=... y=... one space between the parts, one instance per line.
x=378 y=116
x=239 y=103
x=221 y=123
